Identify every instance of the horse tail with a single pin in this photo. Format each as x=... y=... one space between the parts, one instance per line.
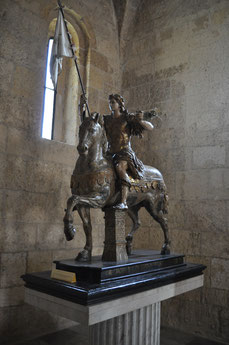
x=165 y=207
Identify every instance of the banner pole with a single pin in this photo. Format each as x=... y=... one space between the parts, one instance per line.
x=74 y=56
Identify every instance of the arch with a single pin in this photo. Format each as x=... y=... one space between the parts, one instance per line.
x=87 y=40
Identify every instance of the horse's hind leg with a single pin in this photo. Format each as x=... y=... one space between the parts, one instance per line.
x=69 y=229
x=133 y=213
x=85 y=254
x=162 y=220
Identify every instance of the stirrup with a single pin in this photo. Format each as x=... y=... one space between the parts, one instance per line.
x=121 y=206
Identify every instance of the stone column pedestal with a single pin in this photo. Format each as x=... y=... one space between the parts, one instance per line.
x=129 y=320
x=115 y=242
x=141 y=326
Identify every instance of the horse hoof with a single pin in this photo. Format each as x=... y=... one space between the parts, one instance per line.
x=83 y=256
x=128 y=245
x=69 y=233
x=128 y=250
x=165 y=250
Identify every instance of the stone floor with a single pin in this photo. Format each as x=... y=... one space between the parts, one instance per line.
x=71 y=337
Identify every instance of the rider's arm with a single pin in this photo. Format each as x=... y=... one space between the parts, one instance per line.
x=137 y=125
x=145 y=124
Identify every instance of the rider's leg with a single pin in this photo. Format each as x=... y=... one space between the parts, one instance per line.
x=124 y=193
x=121 y=168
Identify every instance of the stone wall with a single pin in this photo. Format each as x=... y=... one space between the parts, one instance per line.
x=176 y=59
x=174 y=56
x=35 y=173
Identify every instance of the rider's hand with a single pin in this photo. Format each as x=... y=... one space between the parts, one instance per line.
x=139 y=115
x=83 y=99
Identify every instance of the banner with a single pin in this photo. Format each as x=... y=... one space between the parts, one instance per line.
x=61 y=47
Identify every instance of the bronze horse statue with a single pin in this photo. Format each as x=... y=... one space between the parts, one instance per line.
x=93 y=185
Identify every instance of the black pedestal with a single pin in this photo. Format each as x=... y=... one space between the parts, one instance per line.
x=99 y=281
x=139 y=263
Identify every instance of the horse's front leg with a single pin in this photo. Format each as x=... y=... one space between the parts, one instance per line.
x=85 y=254
x=69 y=229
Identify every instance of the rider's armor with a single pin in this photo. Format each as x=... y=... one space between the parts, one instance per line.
x=119 y=131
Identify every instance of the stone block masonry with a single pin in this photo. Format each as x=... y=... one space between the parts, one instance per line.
x=167 y=54
x=177 y=60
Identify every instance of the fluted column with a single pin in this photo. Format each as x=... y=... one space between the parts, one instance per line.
x=140 y=327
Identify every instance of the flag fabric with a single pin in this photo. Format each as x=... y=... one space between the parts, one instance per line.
x=61 y=47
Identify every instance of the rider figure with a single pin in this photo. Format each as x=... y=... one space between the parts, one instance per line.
x=119 y=127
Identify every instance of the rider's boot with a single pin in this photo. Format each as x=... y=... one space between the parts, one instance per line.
x=124 y=193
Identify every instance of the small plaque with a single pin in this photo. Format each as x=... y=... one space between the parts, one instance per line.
x=69 y=277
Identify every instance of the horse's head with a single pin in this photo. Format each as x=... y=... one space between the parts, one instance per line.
x=90 y=133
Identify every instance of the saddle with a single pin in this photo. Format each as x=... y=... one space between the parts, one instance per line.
x=152 y=179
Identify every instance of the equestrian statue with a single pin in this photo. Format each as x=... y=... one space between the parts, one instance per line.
x=109 y=174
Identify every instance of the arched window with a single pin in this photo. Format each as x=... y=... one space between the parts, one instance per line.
x=60 y=112
x=49 y=99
